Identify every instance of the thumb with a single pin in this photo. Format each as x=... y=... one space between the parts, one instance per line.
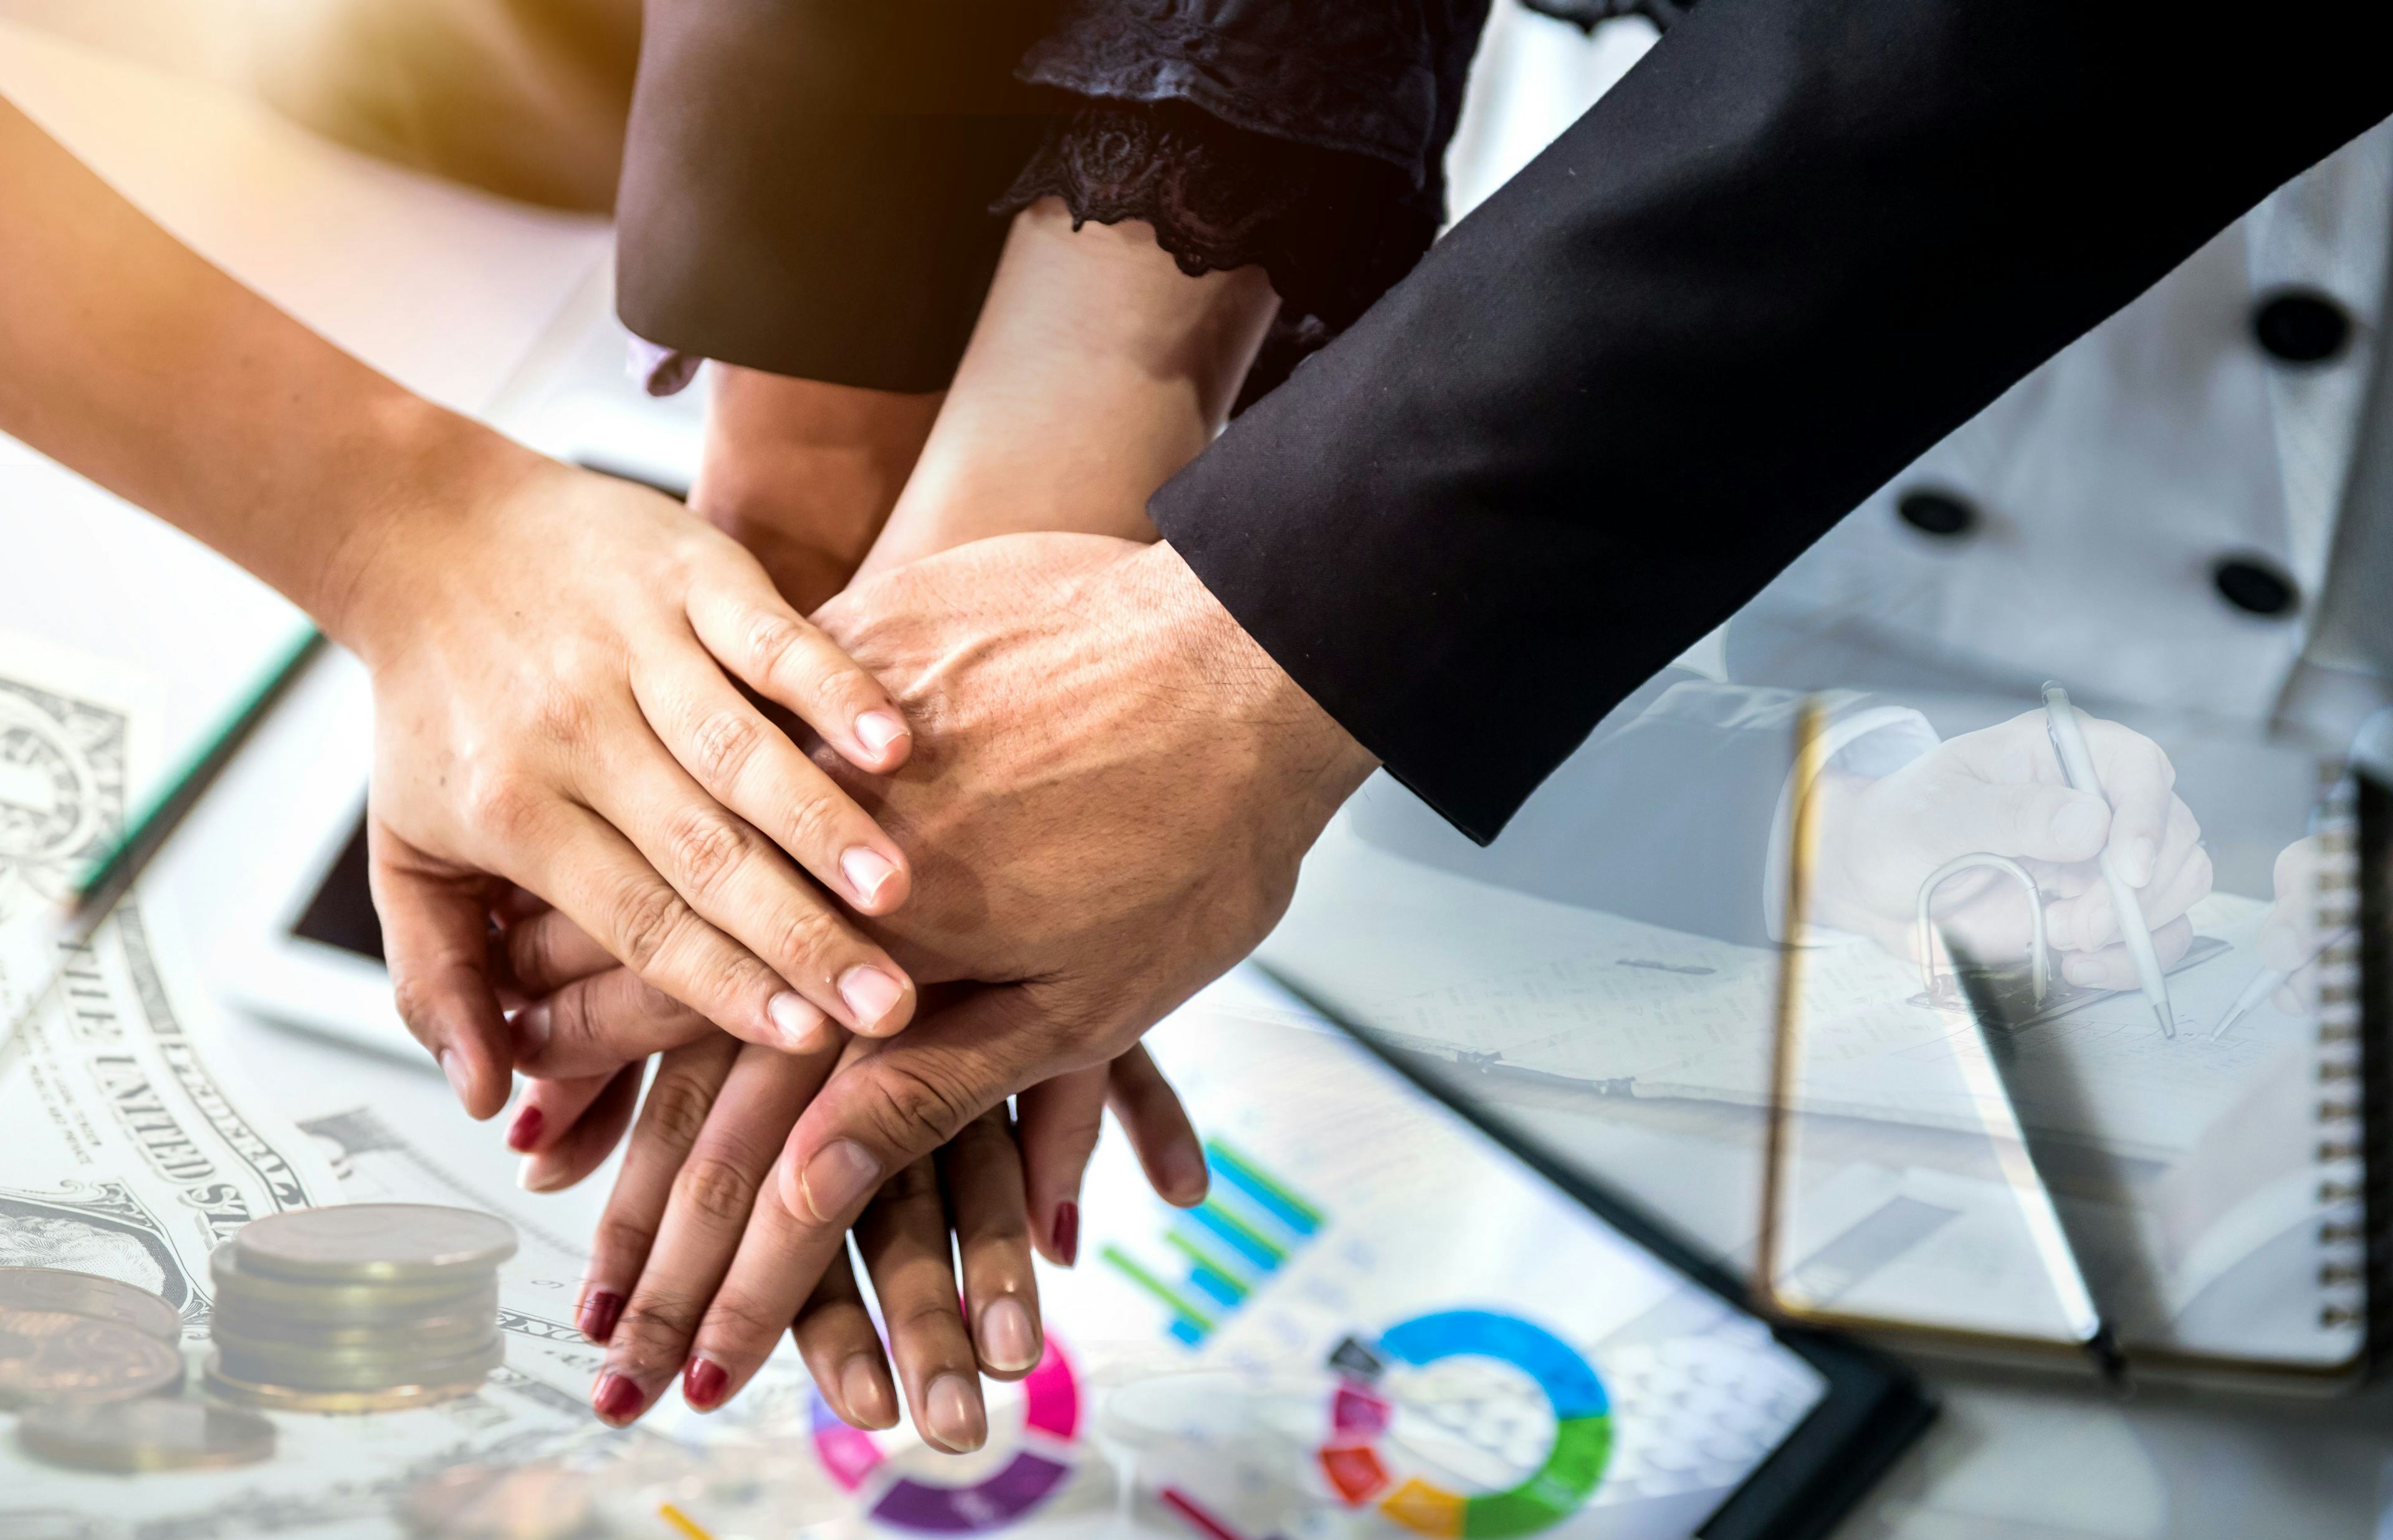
x=895 y=1100
x=435 y=936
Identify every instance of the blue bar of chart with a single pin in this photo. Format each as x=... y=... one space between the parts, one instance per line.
x=1221 y=1251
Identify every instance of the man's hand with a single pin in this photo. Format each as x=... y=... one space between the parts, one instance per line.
x=2001 y=791
x=1111 y=789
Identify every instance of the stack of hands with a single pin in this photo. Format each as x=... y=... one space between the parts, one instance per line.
x=857 y=879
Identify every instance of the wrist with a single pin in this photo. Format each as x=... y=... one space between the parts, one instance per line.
x=422 y=475
x=1319 y=758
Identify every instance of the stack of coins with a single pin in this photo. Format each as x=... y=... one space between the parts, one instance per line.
x=369 y=1306
x=79 y=1339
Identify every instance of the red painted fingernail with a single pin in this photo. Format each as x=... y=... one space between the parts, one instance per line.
x=702 y=1383
x=524 y=1133
x=617 y=1399
x=599 y=1313
x=1067 y=1232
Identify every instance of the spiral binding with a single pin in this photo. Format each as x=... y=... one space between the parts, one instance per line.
x=2344 y=1227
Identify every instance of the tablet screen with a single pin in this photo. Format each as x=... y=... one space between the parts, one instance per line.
x=340 y=912
x=1378 y=1323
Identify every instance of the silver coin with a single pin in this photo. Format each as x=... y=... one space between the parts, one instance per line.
x=53 y=1358
x=386 y=1362
x=355 y=1304
x=276 y=1398
x=431 y=1335
x=89 y=1293
x=301 y=1371
x=150 y=1434
x=374 y=1242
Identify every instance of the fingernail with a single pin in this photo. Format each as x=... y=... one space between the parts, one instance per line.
x=702 y=1383
x=2079 y=826
x=1184 y=1176
x=524 y=1133
x=1007 y=1338
x=798 y=1019
x=837 y=1179
x=616 y=1398
x=953 y=1411
x=529 y=1028
x=869 y=992
x=599 y=1313
x=866 y=868
x=878 y=730
x=866 y=1391
x=1067 y=1232
x=453 y=1065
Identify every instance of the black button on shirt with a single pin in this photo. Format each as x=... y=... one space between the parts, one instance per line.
x=2255 y=585
x=1931 y=512
x=2301 y=326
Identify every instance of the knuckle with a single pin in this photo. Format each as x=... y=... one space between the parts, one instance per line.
x=773 y=639
x=716 y=1188
x=704 y=845
x=723 y=742
x=646 y=917
x=656 y=1318
x=560 y=713
x=814 y=823
x=807 y=935
x=678 y=1105
x=738 y=1318
x=921 y=1105
x=503 y=801
x=413 y=999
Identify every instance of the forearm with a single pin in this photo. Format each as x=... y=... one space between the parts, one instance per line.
x=1097 y=370
x=126 y=357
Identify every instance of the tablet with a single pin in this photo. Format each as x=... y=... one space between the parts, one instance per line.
x=1382 y=1322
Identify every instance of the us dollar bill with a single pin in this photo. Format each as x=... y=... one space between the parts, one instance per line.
x=131 y=1146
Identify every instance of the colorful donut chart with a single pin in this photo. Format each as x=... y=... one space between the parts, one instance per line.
x=1050 y=1409
x=1359 y=1416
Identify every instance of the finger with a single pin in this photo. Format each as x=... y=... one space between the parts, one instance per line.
x=781 y=1262
x=706 y=1214
x=1060 y=1121
x=2091 y=921
x=548 y=1109
x=1166 y=1142
x=747 y=892
x=751 y=767
x=2112 y=968
x=548 y=951
x=436 y=931
x=610 y=891
x=896 y=1100
x=782 y=657
x=597 y=1024
x=586 y=1141
x=903 y=1240
x=670 y=1119
x=835 y=1335
x=980 y=1171
x=2139 y=783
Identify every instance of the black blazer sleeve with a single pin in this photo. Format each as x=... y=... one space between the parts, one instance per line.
x=806 y=183
x=1800 y=243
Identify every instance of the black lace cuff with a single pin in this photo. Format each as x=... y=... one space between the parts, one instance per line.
x=1333 y=228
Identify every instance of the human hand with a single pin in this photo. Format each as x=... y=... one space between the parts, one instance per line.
x=586 y=1026
x=550 y=657
x=2314 y=900
x=1111 y=790
x=2001 y=791
x=689 y=1272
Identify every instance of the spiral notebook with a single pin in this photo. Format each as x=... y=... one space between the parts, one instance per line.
x=2255 y=1251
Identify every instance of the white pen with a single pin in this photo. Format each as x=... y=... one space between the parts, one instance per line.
x=2078 y=763
x=2266 y=980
